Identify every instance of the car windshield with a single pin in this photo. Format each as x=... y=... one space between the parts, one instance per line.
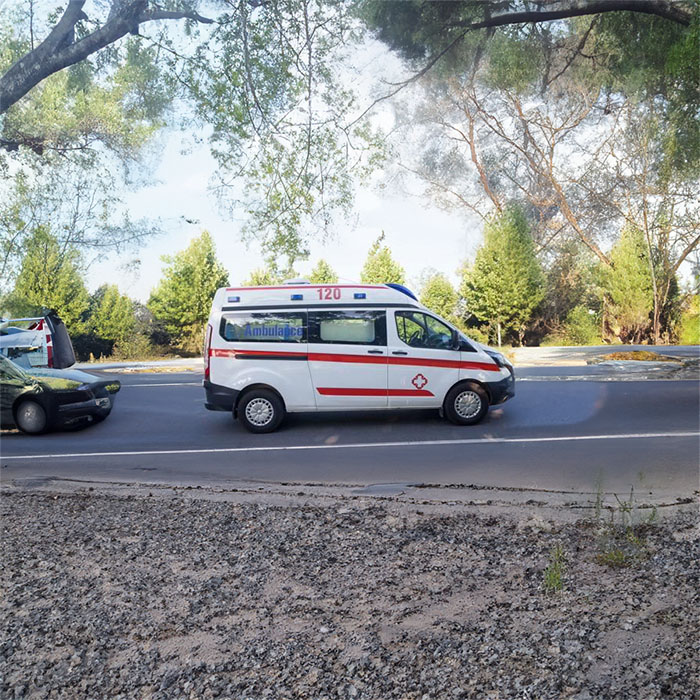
x=9 y=370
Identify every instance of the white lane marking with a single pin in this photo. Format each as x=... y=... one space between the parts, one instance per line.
x=360 y=445
x=164 y=384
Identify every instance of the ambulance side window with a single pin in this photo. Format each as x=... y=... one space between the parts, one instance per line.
x=423 y=331
x=351 y=327
x=264 y=327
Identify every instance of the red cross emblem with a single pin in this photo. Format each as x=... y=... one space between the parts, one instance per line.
x=419 y=381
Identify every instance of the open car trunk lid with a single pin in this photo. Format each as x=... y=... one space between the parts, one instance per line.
x=63 y=353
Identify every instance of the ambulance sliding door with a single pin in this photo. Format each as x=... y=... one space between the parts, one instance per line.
x=348 y=357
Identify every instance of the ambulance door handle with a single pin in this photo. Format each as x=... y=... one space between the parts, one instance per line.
x=398 y=352
x=376 y=352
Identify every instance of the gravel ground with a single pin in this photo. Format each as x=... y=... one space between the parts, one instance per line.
x=151 y=597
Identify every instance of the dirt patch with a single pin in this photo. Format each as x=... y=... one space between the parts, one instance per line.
x=144 y=597
x=640 y=356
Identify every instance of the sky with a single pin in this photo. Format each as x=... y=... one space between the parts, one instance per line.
x=420 y=234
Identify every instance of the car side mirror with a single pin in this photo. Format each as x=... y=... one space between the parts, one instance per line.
x=455 y=340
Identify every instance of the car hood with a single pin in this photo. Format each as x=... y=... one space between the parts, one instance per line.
x=66 y=379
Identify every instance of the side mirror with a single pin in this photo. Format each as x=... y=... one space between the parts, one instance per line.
x=455 y=340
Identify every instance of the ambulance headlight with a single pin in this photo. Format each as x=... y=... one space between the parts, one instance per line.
x=499 y=359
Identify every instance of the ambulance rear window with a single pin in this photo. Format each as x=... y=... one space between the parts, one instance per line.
x=269 y=327
x=352 y=327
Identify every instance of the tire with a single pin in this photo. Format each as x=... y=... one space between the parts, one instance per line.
x=31 y=417
x=466 y=404
x=261 y=411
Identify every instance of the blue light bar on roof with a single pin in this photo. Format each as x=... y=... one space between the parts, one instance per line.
x=232 y=300
x=297 y=297
x=402 y=289
x=360 y=295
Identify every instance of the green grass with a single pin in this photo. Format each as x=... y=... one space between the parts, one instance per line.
x=553 y=581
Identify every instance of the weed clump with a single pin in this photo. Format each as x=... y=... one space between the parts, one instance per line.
x=553 y=581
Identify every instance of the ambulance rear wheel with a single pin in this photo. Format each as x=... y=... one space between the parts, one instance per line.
x=261 y=411
x=466 y=404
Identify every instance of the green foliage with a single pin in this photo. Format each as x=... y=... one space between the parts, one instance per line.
x=570 y=282
x=135 y=347
x=655 y=61
x=581 y=327
x=112 y=314
x=553 y=580
x=689 y=330
x=380 y=267
x=182 y=300
x=267 y=83
x=515 y=61
x=621 y=540
x=627 y=287
x=262 y=278
x=50 y=277
x=505 y=284
x=481 y=335
x=117 y=99
x=323 y=273
x=440 y=296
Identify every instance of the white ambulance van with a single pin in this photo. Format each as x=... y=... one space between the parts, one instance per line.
x=303 y=347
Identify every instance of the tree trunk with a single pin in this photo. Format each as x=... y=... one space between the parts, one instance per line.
x=498 y=330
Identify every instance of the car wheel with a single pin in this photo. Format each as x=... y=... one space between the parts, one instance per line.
x=261 y=411
x=30 y=417
x=466 y=404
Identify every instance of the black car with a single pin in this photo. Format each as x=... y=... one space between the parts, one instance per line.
x=49 y=398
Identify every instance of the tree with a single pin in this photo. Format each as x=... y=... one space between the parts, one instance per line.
x=50 y=278
x=182 y=300
x=439 y=295
x=505 y=284
x=380 y=267
x=628 y=288
x=323 y=273
x=262 y=278
x=587 y=148
x=112 y=316
x=74 y=38
x=263 y=76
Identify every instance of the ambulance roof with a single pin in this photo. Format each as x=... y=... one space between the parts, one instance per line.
x=317 y=295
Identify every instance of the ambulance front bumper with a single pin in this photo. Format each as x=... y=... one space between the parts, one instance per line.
x=503 y=390
x=219 y=398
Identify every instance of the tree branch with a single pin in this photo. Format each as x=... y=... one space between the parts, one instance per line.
x=59 y=50
x=686 y=252
x=660 y=8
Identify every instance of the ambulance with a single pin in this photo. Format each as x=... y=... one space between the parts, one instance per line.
x=303 y=347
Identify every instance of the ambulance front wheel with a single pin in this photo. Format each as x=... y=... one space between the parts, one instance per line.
x=466 y=404
x=261 y=411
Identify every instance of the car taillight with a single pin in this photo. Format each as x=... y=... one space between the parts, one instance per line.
x=207 y=351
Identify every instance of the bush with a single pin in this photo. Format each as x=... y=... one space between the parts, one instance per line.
x=87 y=345
x=579 y=328
x=479 y=334
x=136 y=347
x=689 y=330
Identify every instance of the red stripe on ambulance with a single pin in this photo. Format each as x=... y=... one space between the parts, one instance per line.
x=344 y=391
x=364 y=359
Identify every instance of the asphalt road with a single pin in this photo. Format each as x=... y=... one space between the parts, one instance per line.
x=562 y=436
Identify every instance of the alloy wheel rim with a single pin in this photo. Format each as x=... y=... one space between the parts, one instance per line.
x=259 y=412
x=30 y=416
x=468 y=404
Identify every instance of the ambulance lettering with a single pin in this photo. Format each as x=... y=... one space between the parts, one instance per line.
x=328 y=293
